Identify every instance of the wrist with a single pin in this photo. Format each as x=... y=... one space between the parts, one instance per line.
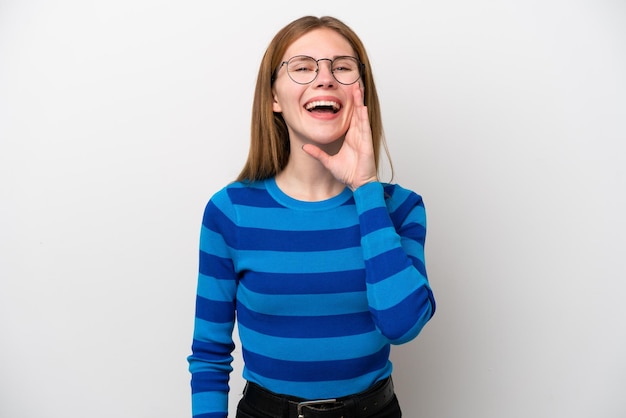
x=373 y=179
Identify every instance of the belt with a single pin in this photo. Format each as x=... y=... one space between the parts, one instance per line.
x=360 y=405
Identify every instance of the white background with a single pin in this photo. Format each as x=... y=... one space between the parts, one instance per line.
x=119 y=119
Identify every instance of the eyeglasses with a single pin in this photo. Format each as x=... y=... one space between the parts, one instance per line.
x=303 y=69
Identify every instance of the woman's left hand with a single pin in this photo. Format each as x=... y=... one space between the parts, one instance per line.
x=354 y=165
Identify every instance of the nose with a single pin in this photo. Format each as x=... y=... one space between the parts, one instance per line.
x=325 y=75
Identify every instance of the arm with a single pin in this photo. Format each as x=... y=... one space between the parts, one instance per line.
x=210 y=361
x=393 y=234
x=400 y=299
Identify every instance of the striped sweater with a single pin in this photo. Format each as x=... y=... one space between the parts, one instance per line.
x=319 y=290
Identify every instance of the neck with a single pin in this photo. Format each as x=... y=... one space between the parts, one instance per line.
x=305 y=178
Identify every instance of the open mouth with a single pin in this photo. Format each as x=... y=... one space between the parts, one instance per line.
x=323 y=106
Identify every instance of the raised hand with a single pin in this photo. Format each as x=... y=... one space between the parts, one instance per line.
x=354 y=164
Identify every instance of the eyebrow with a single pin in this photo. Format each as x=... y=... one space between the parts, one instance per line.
x=332 y=57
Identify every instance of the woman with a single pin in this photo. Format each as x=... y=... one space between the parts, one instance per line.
x=321 y=264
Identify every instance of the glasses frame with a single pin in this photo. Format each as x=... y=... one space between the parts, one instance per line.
x=360 y=66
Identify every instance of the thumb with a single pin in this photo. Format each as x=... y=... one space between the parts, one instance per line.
x=317 y=153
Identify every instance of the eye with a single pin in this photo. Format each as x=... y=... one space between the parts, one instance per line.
x=344 y=64
x=302 y=64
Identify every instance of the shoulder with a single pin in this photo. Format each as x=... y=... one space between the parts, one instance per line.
x=238 y=192
x=225 y=200
x=397 y=195
x=404 y=205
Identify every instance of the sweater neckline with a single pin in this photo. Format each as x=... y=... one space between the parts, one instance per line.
x=290 y=202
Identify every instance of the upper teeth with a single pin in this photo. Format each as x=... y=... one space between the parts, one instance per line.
x=317 y=103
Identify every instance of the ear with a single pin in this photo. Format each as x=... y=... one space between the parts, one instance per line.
x=276 y=108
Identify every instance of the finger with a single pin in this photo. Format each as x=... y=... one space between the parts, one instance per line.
x=317 y=153
x=358 y=95
x=362 y=89
x=358 y=106
x=359 y=116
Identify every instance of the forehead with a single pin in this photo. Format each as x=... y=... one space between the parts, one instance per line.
x=320 y=43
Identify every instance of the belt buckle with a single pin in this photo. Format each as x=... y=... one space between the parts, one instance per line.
x=311 y=403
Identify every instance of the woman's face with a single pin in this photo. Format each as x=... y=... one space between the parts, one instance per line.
x=318 y=112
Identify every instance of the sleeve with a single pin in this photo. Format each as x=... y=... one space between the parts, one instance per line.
x=393 y=232
x=211 y=358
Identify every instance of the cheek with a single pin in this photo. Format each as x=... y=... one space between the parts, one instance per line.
x=286 y=96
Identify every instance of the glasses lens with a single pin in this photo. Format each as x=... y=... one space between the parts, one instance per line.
x=346 y=70
x=302 y=69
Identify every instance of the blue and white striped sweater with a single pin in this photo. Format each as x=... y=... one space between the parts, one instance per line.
x=320 y=290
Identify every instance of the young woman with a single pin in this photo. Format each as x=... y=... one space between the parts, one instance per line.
x=320 y=263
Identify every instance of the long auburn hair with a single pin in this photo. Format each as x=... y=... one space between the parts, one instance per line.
x=269 y=140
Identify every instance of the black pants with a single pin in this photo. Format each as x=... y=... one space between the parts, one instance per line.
x=247 y=410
